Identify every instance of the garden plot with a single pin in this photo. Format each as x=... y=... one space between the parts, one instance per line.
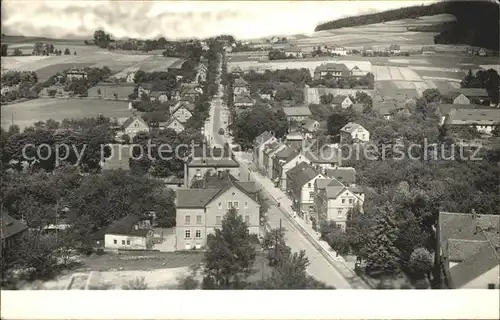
x=381 y=73
x=407 y=61
x=395 y=74
x=421 y=87
x=404 y=84
x=409 y=75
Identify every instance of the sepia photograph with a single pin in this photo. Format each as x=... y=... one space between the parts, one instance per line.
x=153 y=148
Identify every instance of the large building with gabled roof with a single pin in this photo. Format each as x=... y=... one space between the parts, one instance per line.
x=200 y=210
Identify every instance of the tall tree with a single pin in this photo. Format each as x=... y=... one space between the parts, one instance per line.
x=230 y=254
x=382 y=256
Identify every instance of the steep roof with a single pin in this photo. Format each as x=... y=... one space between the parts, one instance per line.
x=125 y=226
x=172 y=120
x=474 y=116
x=332 y=192
x=486 y=258
x=240 y=82
x=195 y=198
x=351 y=127
x=302 y=174
x=263 y=137
x=332 y=67
x=186 y=105
x=468 y=227
x=11 y=226
x=285 y=153
x=323 y=183
x=131 y=119
x=297 y=111
x=345 y=175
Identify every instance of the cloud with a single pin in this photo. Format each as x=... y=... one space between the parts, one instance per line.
x=176 y=19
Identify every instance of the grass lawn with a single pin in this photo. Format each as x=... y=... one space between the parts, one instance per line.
x=26 y=113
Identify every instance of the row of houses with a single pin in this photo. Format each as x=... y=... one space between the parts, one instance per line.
x=320 y=188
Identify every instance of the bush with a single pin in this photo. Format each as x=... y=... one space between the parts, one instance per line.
x=188 y=283
x=136 y=284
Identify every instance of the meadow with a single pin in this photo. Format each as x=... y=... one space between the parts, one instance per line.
x=24 y=114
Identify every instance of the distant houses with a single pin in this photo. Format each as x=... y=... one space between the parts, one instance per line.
x=334 y=70
x=354 y=133
x=298 y=113
x=467 y=96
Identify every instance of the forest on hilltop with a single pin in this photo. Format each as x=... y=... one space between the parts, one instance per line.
x=477 y=22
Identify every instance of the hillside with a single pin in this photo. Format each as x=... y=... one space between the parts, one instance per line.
x=477 y=22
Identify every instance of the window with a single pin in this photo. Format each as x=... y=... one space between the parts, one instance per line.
x=123 y=242
x=187 y=234
x=187 y=219
x=311 y=194
x=220 y=205
x=246 y=204
x=343 y=201
x=308 y=185
x=236 y=204
x=128 y=242
x=229 y=204
x=197 y=234
x=115 y=242
x=491 y=286
x=217 y=220
x=350 y=201
x=247 y=219
x=198 y=219
x=339 y=213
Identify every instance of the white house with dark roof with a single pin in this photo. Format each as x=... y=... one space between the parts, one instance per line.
x=335 y=70
x=309 y=127
x=342 y=101
x=270 y=152
x=174 y=124
x=204 y=160
x=333 y=200
x=354 y=133
x=357 y=72
x=243 y=101
x=134 y=125
x=183 y=111
x=394 y=49
x=200 y=211
x=300 y=186
x=130 y=232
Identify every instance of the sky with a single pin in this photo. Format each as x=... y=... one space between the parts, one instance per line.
x=178 y=19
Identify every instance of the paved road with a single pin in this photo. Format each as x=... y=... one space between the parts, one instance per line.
x=319 y=267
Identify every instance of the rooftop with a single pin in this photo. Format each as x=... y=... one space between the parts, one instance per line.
x=263 y=137
x=472 y=92
x=339 y=99
x=332 y=67
x=301 y=174
x=126 y=226
x=345 y=175
x=11 y=226
x=194 y=198
x=474 y=116
x=297 y=111
x=351 y=127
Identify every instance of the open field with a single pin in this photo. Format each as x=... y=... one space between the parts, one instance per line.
x=26 y=113
x=380 y=34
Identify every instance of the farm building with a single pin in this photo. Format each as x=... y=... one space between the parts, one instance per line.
x=294 y=52
x=394 y=49
x=428 y=50
x=111 y=91
x=129 y=232
x=467 y=96
x=336 y=70
x=339 y=51
x=357 y=72
x=298 y=113
x=484 y=120
x=176 y=66
x=76 y=74
x=444 y=109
